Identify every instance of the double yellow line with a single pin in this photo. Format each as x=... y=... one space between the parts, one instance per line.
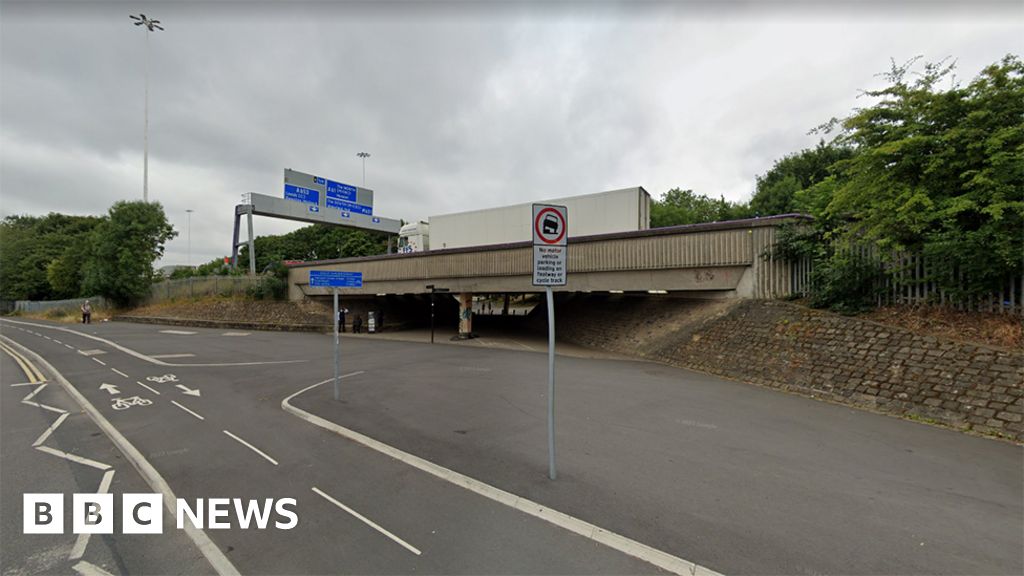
x=34 y=375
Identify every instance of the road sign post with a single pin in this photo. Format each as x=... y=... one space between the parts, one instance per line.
x=335 y=279
x=550 y=238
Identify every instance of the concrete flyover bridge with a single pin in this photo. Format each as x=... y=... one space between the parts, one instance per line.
x=731 y=259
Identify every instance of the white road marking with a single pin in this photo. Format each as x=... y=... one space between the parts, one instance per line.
x=253 y=448
x=69 y=346
x=235 y=334
x=57 y=341
x=147 y=387
x=150 y=359
x=44 y=407
x=93 y=352
x=101 y=362
x=172 y=355
x=116 y=371
x=201 y=418
x=46 y=433
x=187 y=391
x=218 y=561
x=83 y=539
x=182 y=332
x=25 y=384
x=86 y=569
x=73 y=457
x=368 y=522
x=47 y=337
x=109 y=388
x=33 y=393
x=583 y=528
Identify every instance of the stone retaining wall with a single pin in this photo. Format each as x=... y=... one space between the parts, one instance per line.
x=820 y=354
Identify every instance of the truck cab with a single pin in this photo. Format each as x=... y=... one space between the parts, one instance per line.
x=414 y=237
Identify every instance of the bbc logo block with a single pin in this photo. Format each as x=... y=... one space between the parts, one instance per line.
x=92 y=514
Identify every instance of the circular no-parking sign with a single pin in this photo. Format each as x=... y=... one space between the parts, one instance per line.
x=549 y=225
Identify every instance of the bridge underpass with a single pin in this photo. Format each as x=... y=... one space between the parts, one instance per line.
x=732 y=259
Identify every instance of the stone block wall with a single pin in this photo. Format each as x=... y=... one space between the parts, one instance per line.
x=820 y=354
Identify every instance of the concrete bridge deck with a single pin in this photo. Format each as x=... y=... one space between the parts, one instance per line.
x=720 y=259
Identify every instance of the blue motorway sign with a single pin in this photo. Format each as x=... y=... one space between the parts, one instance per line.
x=307 y=195
x=349 y=206
x=341 y=191
x=335 y=279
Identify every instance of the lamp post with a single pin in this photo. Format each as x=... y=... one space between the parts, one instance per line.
x=151 y=26
x=364 y=156
x=189 y=235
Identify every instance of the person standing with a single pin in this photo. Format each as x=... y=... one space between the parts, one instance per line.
x=86 y=313
x=357 y=324
x=341 y=319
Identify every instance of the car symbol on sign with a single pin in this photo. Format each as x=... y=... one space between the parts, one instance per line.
x=550 y=225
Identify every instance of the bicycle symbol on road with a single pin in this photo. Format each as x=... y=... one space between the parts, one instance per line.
x=126 y=403
x=162 y=379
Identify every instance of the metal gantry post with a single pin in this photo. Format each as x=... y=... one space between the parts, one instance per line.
x=252 y=247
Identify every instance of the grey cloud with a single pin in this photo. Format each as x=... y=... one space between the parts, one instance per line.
x=461 y=105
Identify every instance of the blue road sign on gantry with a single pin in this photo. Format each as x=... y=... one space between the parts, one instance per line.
x=335 y=279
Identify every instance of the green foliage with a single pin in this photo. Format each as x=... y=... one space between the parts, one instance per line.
x=779 y=189
x=685 y=207
x=123 y=249
x=930 y=168
x=41 y=256
x=316 y=242
x=939 y=171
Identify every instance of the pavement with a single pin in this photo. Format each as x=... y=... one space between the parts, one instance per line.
x=676 y=465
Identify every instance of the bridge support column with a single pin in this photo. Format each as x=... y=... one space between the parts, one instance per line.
x=465 y=315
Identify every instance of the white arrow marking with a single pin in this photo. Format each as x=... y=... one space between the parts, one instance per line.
x=187 y=390
x=110 y=388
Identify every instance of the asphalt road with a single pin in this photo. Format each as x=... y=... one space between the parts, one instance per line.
x=735 y=478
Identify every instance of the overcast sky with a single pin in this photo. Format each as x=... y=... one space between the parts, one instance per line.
x=461 y=105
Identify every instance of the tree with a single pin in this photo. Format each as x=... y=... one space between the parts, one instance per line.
x=316 y=242
x=779 y=190
x=124 y=247
x=685 y=207
x=939 y=172
x=29 y=246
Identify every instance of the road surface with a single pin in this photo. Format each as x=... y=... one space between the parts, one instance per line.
x=678 y=467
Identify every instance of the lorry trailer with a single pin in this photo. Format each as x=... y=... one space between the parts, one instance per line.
x=625 y=210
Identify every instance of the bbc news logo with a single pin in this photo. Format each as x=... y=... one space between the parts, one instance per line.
x=143 y=513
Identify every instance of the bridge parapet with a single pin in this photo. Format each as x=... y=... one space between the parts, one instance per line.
x=719 y=256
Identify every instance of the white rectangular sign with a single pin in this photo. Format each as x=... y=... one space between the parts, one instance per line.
x=549 y=265
x=550 y=239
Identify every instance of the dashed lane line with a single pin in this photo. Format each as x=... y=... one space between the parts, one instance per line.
x=100 y=362
x=368 y=522
x=253 y=448
x=146 y=358
x=217 y=559
x=116 y=371
x=615 y=541
x=201 y=418
x=153 y=390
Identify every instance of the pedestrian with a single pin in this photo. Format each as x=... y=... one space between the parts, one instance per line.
x=357 y=324
x=86 y=313
x=341 y=319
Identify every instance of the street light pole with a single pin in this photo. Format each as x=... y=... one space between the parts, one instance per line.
x=189 y=236
x=151 y=26
x=364 y=156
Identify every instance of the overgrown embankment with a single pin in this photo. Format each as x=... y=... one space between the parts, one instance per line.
x=819 y=354
x=235 y=313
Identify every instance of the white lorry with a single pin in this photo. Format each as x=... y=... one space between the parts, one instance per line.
x=623 y=210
